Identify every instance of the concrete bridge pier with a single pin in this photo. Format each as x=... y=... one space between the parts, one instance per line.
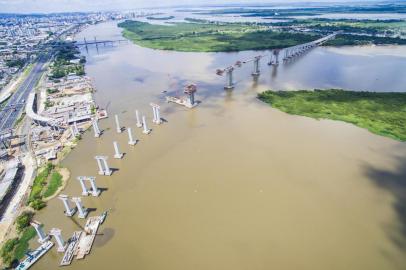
x=118 y=127
x=68 y=210
x=95 y=190
x=229 y=79
x=256 y=71
x=59 y=240
x=144 y=124
x=81 y=180
x=42 y=236
x=104 y=168
x=96 y=128
x=75 y=126
x=117 y=153
x=74 y=130
x=82 y=210
x=137 y=116
x=157 y=117
x=131 y=140
x=274 y=60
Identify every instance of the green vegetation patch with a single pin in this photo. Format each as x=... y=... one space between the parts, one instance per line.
x=62 y=65
x=14 y=249
x=23 y=220
x=46 y=183
x=18 y=63
x=54 y=183
x=356 y=40
x=211 y=37
x=381 y=113
x=23 y=243
x=40 y=182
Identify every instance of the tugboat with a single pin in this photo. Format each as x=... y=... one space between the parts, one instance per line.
x=103 y=217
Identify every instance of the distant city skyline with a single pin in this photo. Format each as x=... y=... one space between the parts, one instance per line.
x=48 y=6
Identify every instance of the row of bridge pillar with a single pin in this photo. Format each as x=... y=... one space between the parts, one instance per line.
x=69 y=210
x=297 y=50
x=104 y=169
x=141 y=122
x=43 y=237
x=274 y=60
x=288 y=53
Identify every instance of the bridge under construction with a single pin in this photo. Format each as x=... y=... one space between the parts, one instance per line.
x=288 y=54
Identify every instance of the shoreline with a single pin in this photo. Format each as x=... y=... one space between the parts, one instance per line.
x=19 y=203
x=353 y=107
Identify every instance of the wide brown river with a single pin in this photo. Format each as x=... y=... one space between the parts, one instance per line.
x=235 y=184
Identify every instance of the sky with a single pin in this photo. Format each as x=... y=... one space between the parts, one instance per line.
x=45 y=6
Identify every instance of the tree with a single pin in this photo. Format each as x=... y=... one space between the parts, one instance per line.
x=23 y=221
x=38 y=204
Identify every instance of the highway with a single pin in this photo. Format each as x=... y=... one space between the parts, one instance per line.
x=10 y=116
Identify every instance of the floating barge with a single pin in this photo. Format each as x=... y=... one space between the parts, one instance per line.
x=81 y=242
x=35 y=255
x=70 y=250
x=87 y=238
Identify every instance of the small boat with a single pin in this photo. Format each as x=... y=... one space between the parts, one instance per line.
x=103 y=217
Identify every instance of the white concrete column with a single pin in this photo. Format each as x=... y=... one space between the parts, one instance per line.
x=158 y=120
x=82 y=211
x=229 y=78
x=271 y=59
x=137 y=116
x=144 y=124
x=131 y=140
x=255 y=71
x=59 y=240
x=72 y=131
x=95 y=191
x=277 y=58
x=154 y=112
x=42 y=237
x=85 y=192
x=118 y=127
x=107 y=170
x=96 y=128
x=75 y=125
x=68 y=210
x=99 y=162
x=117 y=153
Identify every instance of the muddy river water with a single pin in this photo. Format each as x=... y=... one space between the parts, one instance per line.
x=235 y=184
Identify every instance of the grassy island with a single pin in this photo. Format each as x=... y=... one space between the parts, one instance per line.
x=210 y=37
x=207 y=36
x=381 y=113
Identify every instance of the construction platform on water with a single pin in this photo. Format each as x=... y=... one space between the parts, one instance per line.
x=188 y=100
x=81 y=242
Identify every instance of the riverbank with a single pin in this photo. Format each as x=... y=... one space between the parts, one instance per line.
x=208 y=36
x=381 y=113
x=64 y=86
x=211 y=37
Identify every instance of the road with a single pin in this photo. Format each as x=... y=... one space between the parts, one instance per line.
x=9 y=117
